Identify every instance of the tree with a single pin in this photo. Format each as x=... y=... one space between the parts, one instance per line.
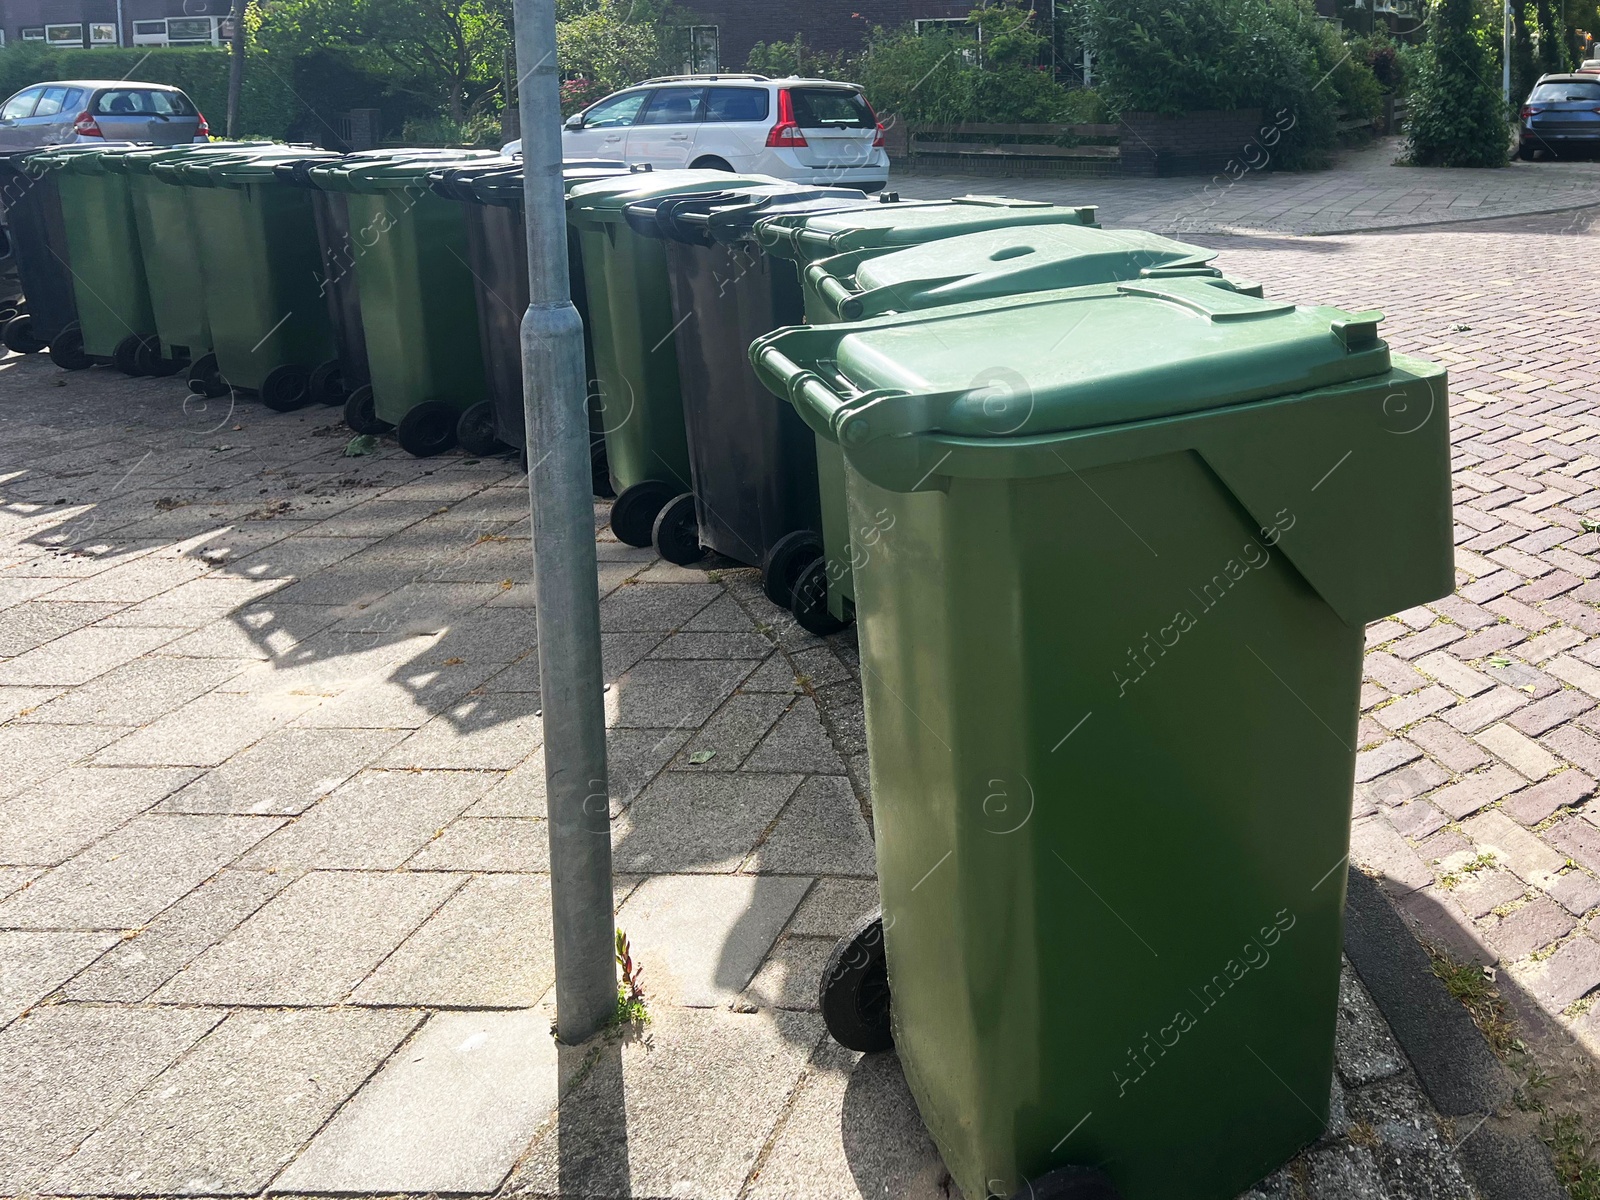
x=1455 y=114
x=604 y=45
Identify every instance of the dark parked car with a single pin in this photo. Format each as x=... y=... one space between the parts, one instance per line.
x=1561 y=115
x=91 y=110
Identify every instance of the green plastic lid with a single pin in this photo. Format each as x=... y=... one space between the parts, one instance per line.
x=59 y=158
x=138 y=159
x=240 y=170
x=910 y=223
x=996 y=262
x=394 y=170
x=605 y=200
x=1075 y=359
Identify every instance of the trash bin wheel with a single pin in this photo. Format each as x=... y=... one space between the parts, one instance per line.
x=66 y=351
x=600 y=469
x=19 y=336
x=676 y=532
x=1069 y=1183
x=125 y=357
x=781 y=567
x=327 y=383
x=286 y=388
x=809 y=600
x=361 y=414
x=855 y=989
x=428 y=429
x=150 y=361
x=475 y=430
x=633 y=513
x=204 y=377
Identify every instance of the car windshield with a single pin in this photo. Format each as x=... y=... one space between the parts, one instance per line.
x=1556 y=93
x=831 y=108
x=133 y=102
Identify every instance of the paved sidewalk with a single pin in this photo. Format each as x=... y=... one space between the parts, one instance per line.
x=273 y=890
x=1363 y=190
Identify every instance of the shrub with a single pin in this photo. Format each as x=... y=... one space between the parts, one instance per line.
x=1274 y=55
x=1455 y=115
x=778 y=59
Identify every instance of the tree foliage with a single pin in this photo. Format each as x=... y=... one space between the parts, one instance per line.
x=604 y=45
x=1455 y=114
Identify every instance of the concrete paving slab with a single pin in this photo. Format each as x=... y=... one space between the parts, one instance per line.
x=672 y=695
x=126 y=878
x=66 y=1069
x=486 y=732
x=32 y=753
x=314 y=942
x=233 y=1112
x=139 y=692
x=82 y=655
x=284 y=773
x=450 y=1113
x=487 y=844
x=683 y=1113
x=821 y=832
x=375 y=821
x=53 y=820
x=700 y=938
x=633 y=758
x=687 y=821
x=32 y=965
x=852 y=1130
x=207 y=731
x=488 y=946
x=797 y=743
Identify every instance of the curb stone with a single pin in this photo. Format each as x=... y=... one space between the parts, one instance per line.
x=1458 y=1070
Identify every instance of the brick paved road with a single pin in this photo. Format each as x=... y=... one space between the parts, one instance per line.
x=271 y=818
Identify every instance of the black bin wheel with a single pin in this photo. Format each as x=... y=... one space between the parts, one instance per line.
x=19 y=337
x=286 y=388
x=1069 y=1183
x=326 y=384
x=66 y=351
x=428 y=429
x=784 y=560
x=633 y=513
x=600 y=469
x=150 y=361
x=475 y=430
x=125 y=357
x=361 y=414
x=855 y=989
x=676 y=532
x=204 y=377
x=809 y=600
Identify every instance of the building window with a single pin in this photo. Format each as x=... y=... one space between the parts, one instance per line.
x=705 y=50
x=64 y=35
x=192 y=31
x=149 y=33
x=36 y=34
x=102 y=34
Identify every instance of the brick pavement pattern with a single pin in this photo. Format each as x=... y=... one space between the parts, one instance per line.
x=273 y=877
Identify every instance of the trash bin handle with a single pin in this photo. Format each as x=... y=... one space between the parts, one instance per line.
x=817 y=403
x=844 y=302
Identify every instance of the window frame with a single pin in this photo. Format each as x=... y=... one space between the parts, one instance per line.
x=647 y=93
x=699 y=92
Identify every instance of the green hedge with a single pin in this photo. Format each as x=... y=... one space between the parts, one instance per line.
x=267 y=106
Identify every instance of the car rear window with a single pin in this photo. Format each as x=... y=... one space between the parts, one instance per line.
x=831 y=108
x=736 y=104
x=1555 y=93
x=132 y=102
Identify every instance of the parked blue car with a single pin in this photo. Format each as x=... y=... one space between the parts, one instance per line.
x=1561 y=116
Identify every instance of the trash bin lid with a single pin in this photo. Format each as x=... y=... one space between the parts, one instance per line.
x=240 y=170
x=911 y=222
x=1065 y=360
x=142 y=159
x=60 y=158
x=996 y=262
x=504 y=187
x=457 y=182
x=357 y=175
x=700 y=218
x=605 y=201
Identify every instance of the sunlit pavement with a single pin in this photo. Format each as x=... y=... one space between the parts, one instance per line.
x=273 y=868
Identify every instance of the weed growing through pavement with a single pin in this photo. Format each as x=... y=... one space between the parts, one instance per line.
x=1576 y=1153
x=1473 y=986
x=1459 y=876
x=631 y=1009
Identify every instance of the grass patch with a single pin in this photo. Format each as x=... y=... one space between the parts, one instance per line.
x=1473 y=987
x=1574 y=1151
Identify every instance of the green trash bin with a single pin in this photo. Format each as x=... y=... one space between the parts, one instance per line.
x=262 y=269
x=635 y=359
x=418 y=309
x=170 y=253
x=115 y=320
x=1111 y=628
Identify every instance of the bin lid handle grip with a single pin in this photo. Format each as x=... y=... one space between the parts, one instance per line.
x=1358 y=331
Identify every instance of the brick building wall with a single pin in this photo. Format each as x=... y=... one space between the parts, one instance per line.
x=17 y=15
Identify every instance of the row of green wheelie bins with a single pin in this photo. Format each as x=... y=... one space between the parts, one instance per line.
x=1108 y=521
x=1110 y=524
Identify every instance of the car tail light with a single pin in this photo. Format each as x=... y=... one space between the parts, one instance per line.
x=203 y=129
x=1529 y=110
x=86 y=126
x=786 y=133
x=877 y=138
